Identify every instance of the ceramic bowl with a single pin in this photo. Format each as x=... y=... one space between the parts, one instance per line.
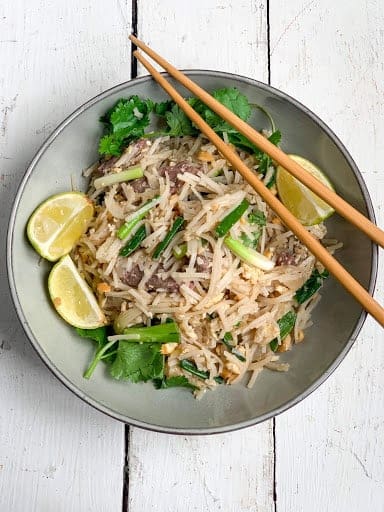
x=336 y=321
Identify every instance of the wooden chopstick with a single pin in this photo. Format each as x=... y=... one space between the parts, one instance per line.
x=315 y=247
x=329 y=196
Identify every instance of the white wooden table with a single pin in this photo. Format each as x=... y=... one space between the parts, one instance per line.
x=57 y=453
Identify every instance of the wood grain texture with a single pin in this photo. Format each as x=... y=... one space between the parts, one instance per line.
x=208 y=34
x=330 y=448
x=56 y=453
x=228 y=472
x=233 y=472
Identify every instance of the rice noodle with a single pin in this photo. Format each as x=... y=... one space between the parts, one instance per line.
x=210 y=291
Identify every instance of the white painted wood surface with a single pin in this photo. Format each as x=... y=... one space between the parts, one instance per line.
x=233 y=472
x=56 y=453
x=330 y=448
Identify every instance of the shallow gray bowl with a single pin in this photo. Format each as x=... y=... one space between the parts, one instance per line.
x=337 y=320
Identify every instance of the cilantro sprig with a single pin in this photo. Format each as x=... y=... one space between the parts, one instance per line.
x=129 y=118
x=124 y=122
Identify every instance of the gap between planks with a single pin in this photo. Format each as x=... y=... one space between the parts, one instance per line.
x=125 y=497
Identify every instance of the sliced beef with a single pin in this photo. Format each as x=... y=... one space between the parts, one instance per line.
x=132 y=277
x=173 y=172
x=202 y=264
x=137 y=151
x=139 y=185
x=156 y=283
x=286 y=258
x=106 y=164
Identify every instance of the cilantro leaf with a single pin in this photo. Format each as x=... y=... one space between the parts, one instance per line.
x=251 y=241
x=311 y=286
x=99 y=335
x=137 y=362
x=275 y=137
x=264 y=160
x=231 y=98
x=130 y=115
x=257 y=217
x=124 y=122
x=179 y=124
x=161 y=108
x=111 y=145
x=173 y=382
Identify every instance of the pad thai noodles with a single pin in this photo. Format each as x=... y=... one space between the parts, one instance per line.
x=163 y=248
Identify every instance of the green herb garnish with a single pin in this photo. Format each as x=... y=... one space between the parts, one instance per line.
x=164 y=333
x=176 y=226
x=124 y=122
x=311 y=286
x=190 y=367
x=286 y=323
x=134 y=242
x=137 y=362
x=174 y=382
x=179 y=251
x=230 y=220
x=136 y=217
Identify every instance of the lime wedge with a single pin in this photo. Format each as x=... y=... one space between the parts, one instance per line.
x=306 y=206
x=57 y=224
x=72 y=297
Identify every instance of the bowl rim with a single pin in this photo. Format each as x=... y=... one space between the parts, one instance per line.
x=105 y=409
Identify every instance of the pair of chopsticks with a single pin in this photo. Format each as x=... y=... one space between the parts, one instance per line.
x=289 y=220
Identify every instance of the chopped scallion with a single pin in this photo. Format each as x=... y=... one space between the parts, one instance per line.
x=134 y=242
x=118 y=177
x=179 y=251
x=135 y=218
x=176 y=226
x=230 y=220
x=161 y=333
x=248 y=254
x=286 y=323
x=190 y=367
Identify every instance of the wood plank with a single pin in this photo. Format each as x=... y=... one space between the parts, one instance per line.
x=232 y=472
x=330 y=451
x=208 y=34
x=56 y=453
x=228 y=472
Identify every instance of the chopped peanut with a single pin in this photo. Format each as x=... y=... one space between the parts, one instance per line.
x=228 y=375
x=232 y=367
x=103 y=287
x=276 y=220
x=268 y=253
x=168 y=348
x=205 y=156
x=300 y=336
x=286 y=344
x=219 y=349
